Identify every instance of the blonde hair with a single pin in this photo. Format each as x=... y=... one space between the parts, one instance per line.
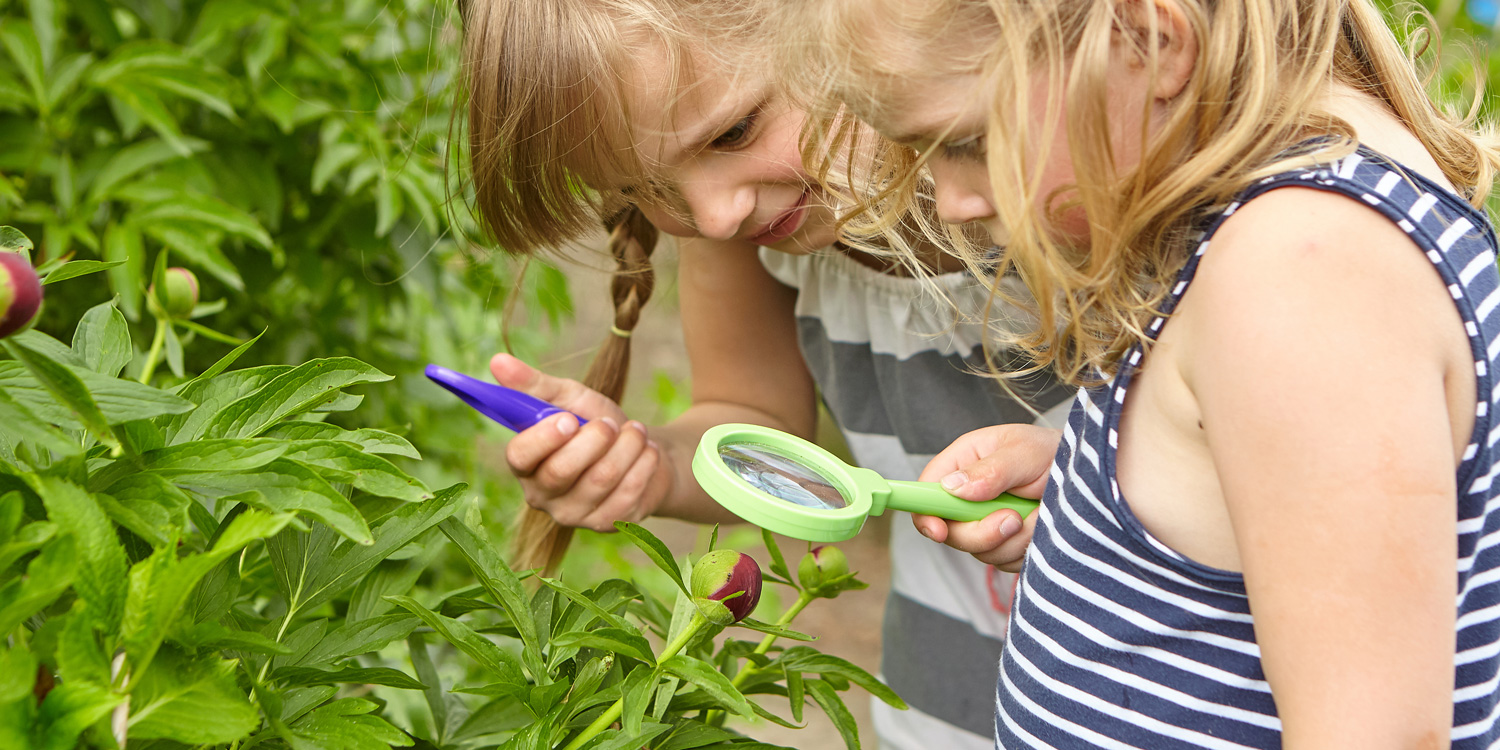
x=1261 y=69
x=547 y=123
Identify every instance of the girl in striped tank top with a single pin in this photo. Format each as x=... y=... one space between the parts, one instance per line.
x=1261 y=252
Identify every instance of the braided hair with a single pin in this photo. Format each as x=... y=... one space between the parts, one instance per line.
x=541 y=542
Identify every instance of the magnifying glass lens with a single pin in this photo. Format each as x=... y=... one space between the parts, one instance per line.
x=781 y=477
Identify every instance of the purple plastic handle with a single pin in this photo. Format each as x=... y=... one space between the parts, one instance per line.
x=510 y=407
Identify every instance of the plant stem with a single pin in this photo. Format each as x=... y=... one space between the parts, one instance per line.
x=155 y=353
x=803 y=599
x=613 y=712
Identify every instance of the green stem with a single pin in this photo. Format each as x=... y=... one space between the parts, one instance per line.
x=803 y=599
x=155 y=353
x=611 y=714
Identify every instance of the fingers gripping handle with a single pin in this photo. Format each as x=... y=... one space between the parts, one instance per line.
x=511 y=408
x=931 y=499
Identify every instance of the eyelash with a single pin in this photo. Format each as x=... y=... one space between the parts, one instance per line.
x=729 y=140
x=971 y=148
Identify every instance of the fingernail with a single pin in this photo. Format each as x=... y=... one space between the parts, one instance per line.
x=1010 y=526
x=636 y=425
x=567 y=424
x=653 y=444
x=613 y=425
x=924 y=531
x=955 y=480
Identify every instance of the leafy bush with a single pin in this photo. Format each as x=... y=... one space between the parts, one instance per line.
x=292 y=155
x=214 y=564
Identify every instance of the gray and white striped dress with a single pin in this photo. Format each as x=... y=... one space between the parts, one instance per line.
x=894 y=358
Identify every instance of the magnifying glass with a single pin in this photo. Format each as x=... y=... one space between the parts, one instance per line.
x=508 y=406
x=788 y=485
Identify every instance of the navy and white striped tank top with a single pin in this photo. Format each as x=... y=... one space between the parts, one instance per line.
x=1117 y=641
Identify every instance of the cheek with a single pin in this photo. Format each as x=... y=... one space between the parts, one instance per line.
x=667 y=221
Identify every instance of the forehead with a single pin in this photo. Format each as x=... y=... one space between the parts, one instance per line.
x=915 y=109
x=675 y=99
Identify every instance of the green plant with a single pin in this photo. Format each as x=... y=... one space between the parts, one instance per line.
x=586 y=666
x=194 y=565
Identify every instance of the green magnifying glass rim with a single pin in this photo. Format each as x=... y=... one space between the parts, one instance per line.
x=788 y=519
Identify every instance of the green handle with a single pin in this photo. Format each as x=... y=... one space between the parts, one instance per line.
x=931 y=499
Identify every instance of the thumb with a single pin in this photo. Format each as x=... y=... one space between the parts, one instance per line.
x=513 y=373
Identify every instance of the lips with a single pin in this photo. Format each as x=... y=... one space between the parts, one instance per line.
x=784 y=225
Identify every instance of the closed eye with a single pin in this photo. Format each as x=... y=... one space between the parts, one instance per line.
x=739 y=134
x=971 y=148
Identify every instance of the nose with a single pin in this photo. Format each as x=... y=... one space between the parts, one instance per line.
x=962 y=192
x=719 y=209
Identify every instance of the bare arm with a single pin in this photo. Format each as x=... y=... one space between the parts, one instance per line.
x=741 y=339
x=1331 y=370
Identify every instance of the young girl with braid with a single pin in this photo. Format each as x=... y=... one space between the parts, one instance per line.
x=658 y=115
x=1272 y=520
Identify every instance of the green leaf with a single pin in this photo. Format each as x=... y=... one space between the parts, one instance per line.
x=292 y=392
x=74 y=269
x=357 y=675
x=161 y=583
x=213 y=636
x=199 y=245
x=316 y=574
x=149 y=107
x=191 y=458
x=794 y=692
x=838 y=713
x=17 y=674
x=20 y=40
x=149 y=497
x=27 y=539
x=344 y=462
x=778 y=563
x=477 y=647
x=66 y=387
x=693 y=734
x=12 y=240
x=47 y=576
x=228 y=359
x=371 y=440
x=355 y=638
x=332 y=159
x=101 y=577
x=107 y=400
x=441 y=705
x=213 y=395
x=769 y=629
x=69 y=709
x=622 y=740
x=589 y=604
x=654 y=549
x=503 y=585
x=123 y=244
x=709 y=680
x=617 y=640
x=387 y=206
x=806 y=659
x=285 y=487
x=203 y=209
x=21 y=424
x=193 y=701
x=102 y=340
x=636 y=691
x=136 y=158
x=344 y=725
x=389 y=578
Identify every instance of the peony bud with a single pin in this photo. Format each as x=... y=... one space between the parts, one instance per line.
x=726 y=585
x=821 y=566
x=182 y=292
x=20 y=293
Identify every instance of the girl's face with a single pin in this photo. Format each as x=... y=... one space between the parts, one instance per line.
x=723 y=154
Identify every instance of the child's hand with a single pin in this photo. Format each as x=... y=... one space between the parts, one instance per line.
x=979 y=466
x=590 y=475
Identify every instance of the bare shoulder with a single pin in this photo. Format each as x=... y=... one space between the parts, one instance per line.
x=1306 y=265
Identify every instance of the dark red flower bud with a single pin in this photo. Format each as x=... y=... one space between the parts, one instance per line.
x=730 y=579
x=20 y=293
x=182 y=292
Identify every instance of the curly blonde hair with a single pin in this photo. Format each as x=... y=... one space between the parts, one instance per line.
x=1262 y=69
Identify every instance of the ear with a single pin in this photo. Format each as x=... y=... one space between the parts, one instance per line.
x=1164 y=24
